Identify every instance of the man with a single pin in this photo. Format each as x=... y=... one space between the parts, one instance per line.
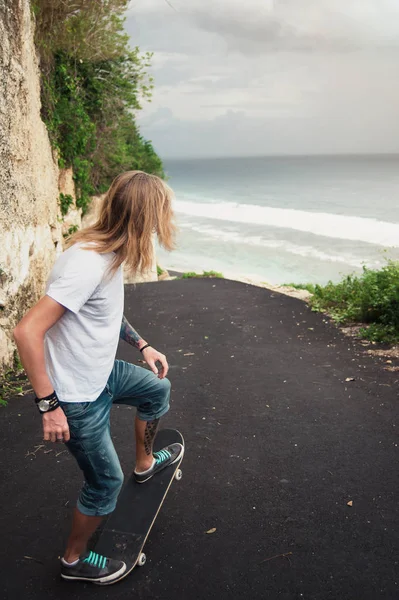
x=67 y=343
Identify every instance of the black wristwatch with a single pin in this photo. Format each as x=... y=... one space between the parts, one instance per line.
x=48 y=403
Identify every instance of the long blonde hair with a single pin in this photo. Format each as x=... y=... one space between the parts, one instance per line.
x=136 y=206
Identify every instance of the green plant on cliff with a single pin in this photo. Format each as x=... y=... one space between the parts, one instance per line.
x=92 y=82
x=71 y=230
x=66 y=202
x=371 y=298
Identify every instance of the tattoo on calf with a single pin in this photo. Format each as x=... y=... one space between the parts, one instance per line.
x=150 y=431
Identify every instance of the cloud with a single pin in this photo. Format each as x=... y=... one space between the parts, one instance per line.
x=349 y=126
x=289 y=76
x=289 y=25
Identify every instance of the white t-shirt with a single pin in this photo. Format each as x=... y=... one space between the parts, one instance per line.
x=80 y=348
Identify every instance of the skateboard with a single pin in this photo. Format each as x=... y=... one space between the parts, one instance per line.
x=126 y=531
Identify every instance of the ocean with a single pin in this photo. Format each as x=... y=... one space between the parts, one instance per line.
x=287 y=219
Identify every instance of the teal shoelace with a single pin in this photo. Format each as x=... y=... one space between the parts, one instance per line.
x=162 y=456
x=96 y=560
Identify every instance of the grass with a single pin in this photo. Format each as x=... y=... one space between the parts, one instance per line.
x=310 y=287
x=191 y=274
x=371 y=299
x=13 y=382
x=159 y=270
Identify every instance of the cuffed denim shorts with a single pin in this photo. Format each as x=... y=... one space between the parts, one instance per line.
x=89 y=425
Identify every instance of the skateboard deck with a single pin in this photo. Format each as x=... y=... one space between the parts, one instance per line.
x=127 y=528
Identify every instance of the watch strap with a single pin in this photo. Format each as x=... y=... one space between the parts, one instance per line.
x=52 y=399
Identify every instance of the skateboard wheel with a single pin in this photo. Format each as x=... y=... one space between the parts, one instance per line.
x=178 y=474
x=142 y=559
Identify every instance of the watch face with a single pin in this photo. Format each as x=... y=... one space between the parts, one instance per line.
x=44 y=405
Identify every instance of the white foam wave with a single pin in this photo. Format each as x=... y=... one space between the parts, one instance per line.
x=284 y=245
x=362 y=229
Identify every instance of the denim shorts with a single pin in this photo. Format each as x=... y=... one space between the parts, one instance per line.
x=89 y=425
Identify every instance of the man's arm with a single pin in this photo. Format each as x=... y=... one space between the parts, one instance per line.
x=151 y=356
x=29 y=337
x=130 y=335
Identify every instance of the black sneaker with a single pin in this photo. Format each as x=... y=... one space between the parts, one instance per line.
x=95 y=568
x=162 y=459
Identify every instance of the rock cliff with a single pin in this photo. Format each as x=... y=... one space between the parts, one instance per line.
x=30 y=224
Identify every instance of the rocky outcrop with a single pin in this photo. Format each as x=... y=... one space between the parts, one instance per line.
x=30 y=227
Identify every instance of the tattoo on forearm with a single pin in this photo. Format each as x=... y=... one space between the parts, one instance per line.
x=129 y=334
x=150 y=431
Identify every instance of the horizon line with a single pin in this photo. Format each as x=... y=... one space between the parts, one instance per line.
x=322 y=155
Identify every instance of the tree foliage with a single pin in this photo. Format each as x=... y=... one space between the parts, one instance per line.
x=84 y=29
x=92 y=83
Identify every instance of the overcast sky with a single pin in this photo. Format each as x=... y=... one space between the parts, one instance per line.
x=253 y=77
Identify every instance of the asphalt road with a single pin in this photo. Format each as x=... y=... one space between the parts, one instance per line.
x=277 y=444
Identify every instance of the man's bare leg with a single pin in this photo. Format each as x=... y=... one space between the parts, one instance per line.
x=145 y=434
x=83 y=527
x=148 y=464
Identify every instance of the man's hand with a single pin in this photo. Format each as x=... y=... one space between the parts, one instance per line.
x=55 y=426
x=151 y=356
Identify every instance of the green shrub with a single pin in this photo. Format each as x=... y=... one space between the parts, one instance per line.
x=371 y=298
